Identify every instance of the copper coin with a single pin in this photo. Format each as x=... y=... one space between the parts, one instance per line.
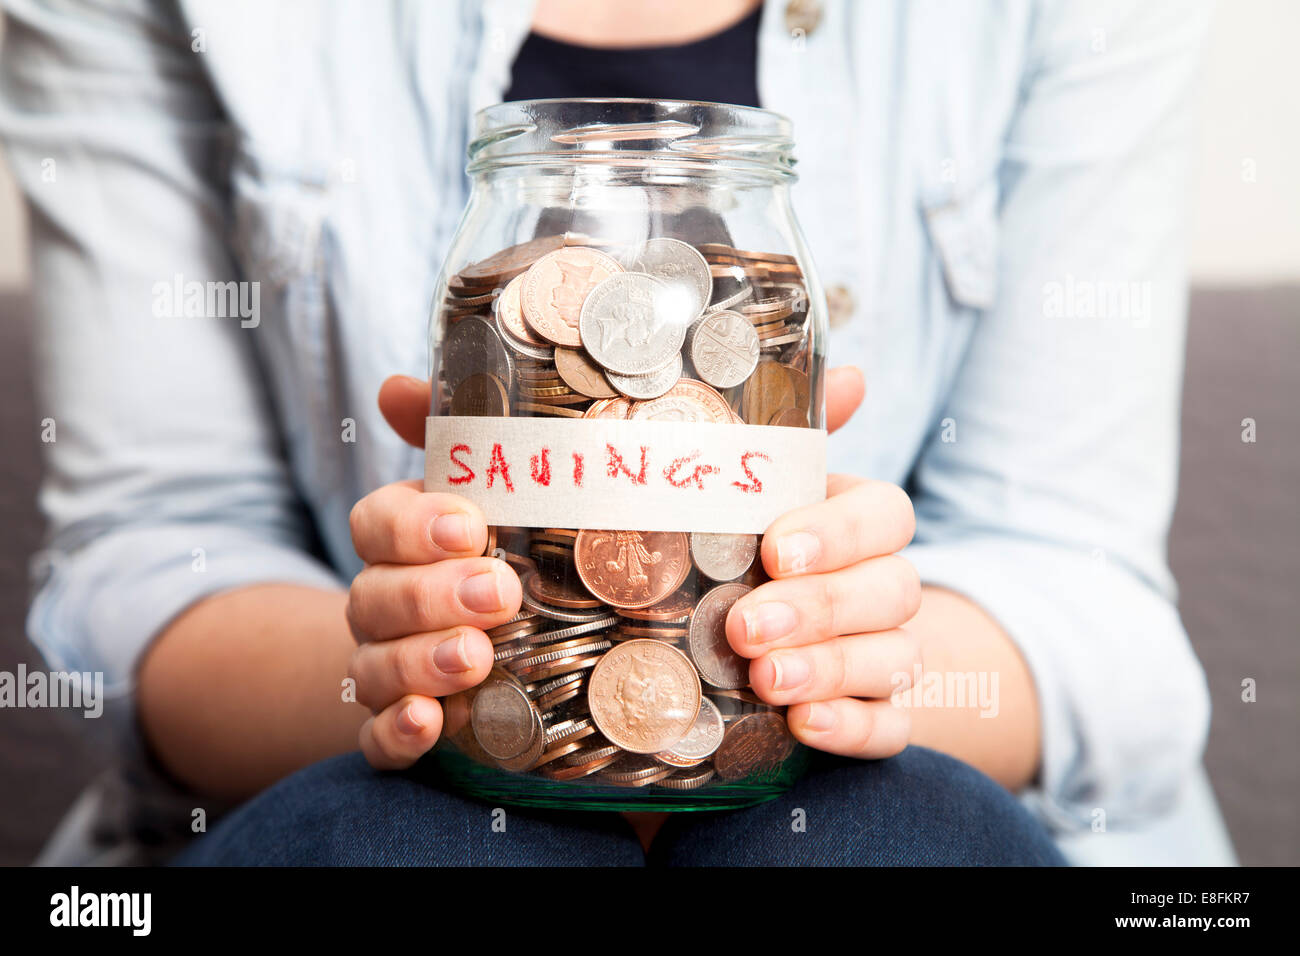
x=704 y=737
x=632 y=770
x=687 y=401
x=581 y=374
x=559 y=593
x=768 y=391
x=617 y=408
x=718 y=664
x=631 y=569
x=575 y=771
x=753 y=744
x=556 y=286
x=790 y=418
x=691 y=779
x=799 y=380
x=723 y=557
x=510 y=310
x=482 y=394
x=540 y=409
x=509 y=262
x=644 y=696
x=676 y=606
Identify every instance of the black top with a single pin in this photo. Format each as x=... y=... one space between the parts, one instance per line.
x=722 y=68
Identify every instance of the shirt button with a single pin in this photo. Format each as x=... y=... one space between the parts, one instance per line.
x=839 y=302
x=802 y=16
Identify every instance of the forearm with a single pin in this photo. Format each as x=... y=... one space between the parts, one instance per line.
x=245 y=687
x=999 y=735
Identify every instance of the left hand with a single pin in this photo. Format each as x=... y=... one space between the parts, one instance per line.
x=826 y=636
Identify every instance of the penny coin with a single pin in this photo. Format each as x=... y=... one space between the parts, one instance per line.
x=687 y=401
x=723 y=347
x=616 y=408
x=649 y=386
x=675 y=607
x=790 y=418
x=633 y=323
x=473 y=346
x=626 y=774
x=481 y=394
x=568 y=615
x=510 y=313
x=767 y=391
x=679 y=265
x=718 y=664
x=753 y=743
x=558 y=410
x=704 y=737
x=723 y=557
x=631 y=569
x=503 y=717
x=581 y=374
x=559 y=593
x=799 y=380
x=509 y=262
x=556 y=286
x=587 y=766
x=644 y=696
x=691 y=779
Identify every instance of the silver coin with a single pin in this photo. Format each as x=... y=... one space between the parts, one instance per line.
x=523 y=348
x=577 y=630
x=648 y=386
x=707 y=643
x=472 y=346
x=680 y=265
x=504 y=719
x=723 y=557
x=746 y=290
x=723 y=347
x=704 y=737
x=688 y=779
x=633 y=323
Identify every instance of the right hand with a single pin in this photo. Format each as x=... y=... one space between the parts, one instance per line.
x=420 y=607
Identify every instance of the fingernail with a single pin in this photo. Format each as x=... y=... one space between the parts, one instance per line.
x=481 y=592
x=796 y=553
x=451 y=532
x=407 y=721
x=821 y=717
x=769 y=621
x=789 y=671
x=452 y=657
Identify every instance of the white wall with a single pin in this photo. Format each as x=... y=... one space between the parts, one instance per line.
x=1247 y=201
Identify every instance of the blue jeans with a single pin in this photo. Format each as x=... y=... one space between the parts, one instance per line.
x=919 y=808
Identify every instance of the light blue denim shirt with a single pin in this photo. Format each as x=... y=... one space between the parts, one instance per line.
x=995 y=190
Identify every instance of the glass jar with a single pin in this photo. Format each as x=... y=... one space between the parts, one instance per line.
x=627 y=346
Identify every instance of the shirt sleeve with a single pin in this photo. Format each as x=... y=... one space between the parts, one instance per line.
x=165 y=477
x=1046 y=494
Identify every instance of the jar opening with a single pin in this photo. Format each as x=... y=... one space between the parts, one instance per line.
x=631 y=132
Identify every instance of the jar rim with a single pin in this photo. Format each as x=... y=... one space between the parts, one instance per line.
x=632 y=131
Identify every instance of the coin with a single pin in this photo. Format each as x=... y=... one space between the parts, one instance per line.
x=648 y=386
x=753 y=743
x=473 y=346
x=481 y=394
x=790 y=418
x=675 y=607
x=691 y=779
x=723 y=347
x=510 y=313
x=569 y=615
x=578 y=371
x=549 y=590
x=503 y=717
x=687 y=401
x=644 y=696
x=679 y=265
x=723 y=557
x=633 y=323
x=767 y=391
x=616 y=408
x=707 y=642
x=631 y=569
x=704 y=737
x=556 y=286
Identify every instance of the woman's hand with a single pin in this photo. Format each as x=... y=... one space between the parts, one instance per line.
x=420 y=608
x=826 y=635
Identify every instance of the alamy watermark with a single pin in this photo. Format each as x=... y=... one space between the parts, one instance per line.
x=1076 y=298
x=959 y=689
x=79 y=690
x=181 y=299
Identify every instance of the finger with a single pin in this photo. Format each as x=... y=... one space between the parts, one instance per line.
x=401 y=733
x=870 y=729
x=866 y=519
x=404 y=402
x=393 y=600
x=872 y=595
x=431 y=665
x=845 y=388
x=859 y=665
x=403 y=524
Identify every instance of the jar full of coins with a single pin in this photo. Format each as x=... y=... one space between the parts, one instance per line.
x=627 y=345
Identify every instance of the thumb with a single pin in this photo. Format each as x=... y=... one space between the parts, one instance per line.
x=845 y=388
x=404 y=403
